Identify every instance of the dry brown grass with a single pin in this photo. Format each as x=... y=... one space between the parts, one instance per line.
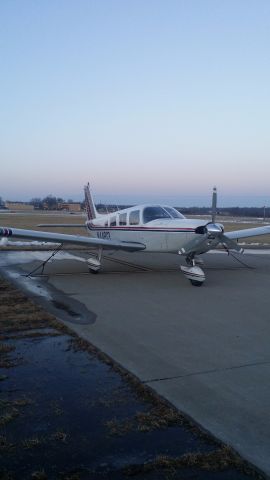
x=160 y=416
x=5 y=444
x=60 y=436
x=57 y=410
x=30 y=221
x=17 y=402
x=218 y=460
x=9 y=363
x=20 y=314
x=71 y=476
x=8 y=416
x=33 y=442
x=22 y=402
x=4 y=348
x=117 y=428
x=39 y=475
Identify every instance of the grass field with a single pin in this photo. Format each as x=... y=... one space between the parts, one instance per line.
x=30 y=220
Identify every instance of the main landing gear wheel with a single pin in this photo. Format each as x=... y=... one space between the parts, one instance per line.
x=195 y=283
x=94 y=262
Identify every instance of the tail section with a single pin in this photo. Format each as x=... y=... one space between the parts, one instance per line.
x=89 y=204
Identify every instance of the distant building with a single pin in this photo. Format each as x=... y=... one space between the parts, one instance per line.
x=21 y=206
x=70 y=207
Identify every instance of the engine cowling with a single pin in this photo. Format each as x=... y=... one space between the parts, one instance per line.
x=211 y=229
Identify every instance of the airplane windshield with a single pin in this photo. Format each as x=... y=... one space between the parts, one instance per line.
x=154 y=213
x=173 y=212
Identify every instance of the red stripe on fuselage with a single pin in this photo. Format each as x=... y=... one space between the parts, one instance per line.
x=139 y=228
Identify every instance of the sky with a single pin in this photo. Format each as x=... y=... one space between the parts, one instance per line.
x=145 y=99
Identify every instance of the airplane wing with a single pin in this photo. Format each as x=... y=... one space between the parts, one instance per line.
x=248 y=232
x=74 y=239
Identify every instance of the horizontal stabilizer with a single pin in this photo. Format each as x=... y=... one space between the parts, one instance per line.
x=65 y=225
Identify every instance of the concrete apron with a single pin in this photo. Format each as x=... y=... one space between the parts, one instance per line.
x=204 y=349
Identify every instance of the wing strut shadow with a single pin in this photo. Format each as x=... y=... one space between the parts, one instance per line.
x=43 y=264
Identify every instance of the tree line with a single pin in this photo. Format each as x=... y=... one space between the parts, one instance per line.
x=228 y=211
x=51 y=202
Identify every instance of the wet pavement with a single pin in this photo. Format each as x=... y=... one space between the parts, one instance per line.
x=65 y=414
x=157 y=344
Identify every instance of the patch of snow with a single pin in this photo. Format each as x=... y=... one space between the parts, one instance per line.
x=31 y=284
x=5 y=242
x=248 y=251
x=16 y=258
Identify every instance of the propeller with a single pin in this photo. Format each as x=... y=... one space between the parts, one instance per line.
x=210 y=235
x=230 y=244
x=214 y=204
x=226 y=242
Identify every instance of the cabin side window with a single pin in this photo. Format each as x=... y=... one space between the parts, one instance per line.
x=122 y=219
x=134 y=217
x=113 y=222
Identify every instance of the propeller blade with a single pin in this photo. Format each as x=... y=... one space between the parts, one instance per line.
x=195 y=245
x=214 y=204
x=230 y=244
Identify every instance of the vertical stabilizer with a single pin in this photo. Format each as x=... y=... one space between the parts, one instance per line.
x=89 y=204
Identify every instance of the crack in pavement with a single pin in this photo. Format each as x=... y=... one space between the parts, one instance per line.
x=206 y=372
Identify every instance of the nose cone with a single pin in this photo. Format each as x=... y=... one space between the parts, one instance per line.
x=215 y=228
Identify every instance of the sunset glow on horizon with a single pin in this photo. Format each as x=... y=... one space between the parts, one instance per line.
x=140 y=98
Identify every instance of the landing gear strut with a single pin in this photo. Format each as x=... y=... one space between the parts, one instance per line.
x=193 y=273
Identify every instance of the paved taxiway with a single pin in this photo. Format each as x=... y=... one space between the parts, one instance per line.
x=205 y=349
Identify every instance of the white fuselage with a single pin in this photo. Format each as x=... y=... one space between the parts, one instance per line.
x=158 y=235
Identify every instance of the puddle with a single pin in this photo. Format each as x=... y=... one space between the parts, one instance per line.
x=66 y=308
x=53 y=300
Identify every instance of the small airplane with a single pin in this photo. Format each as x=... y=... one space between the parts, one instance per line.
x=148 y=228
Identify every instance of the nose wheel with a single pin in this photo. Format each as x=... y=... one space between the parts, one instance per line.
x=195 y=283
x=193 y=272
